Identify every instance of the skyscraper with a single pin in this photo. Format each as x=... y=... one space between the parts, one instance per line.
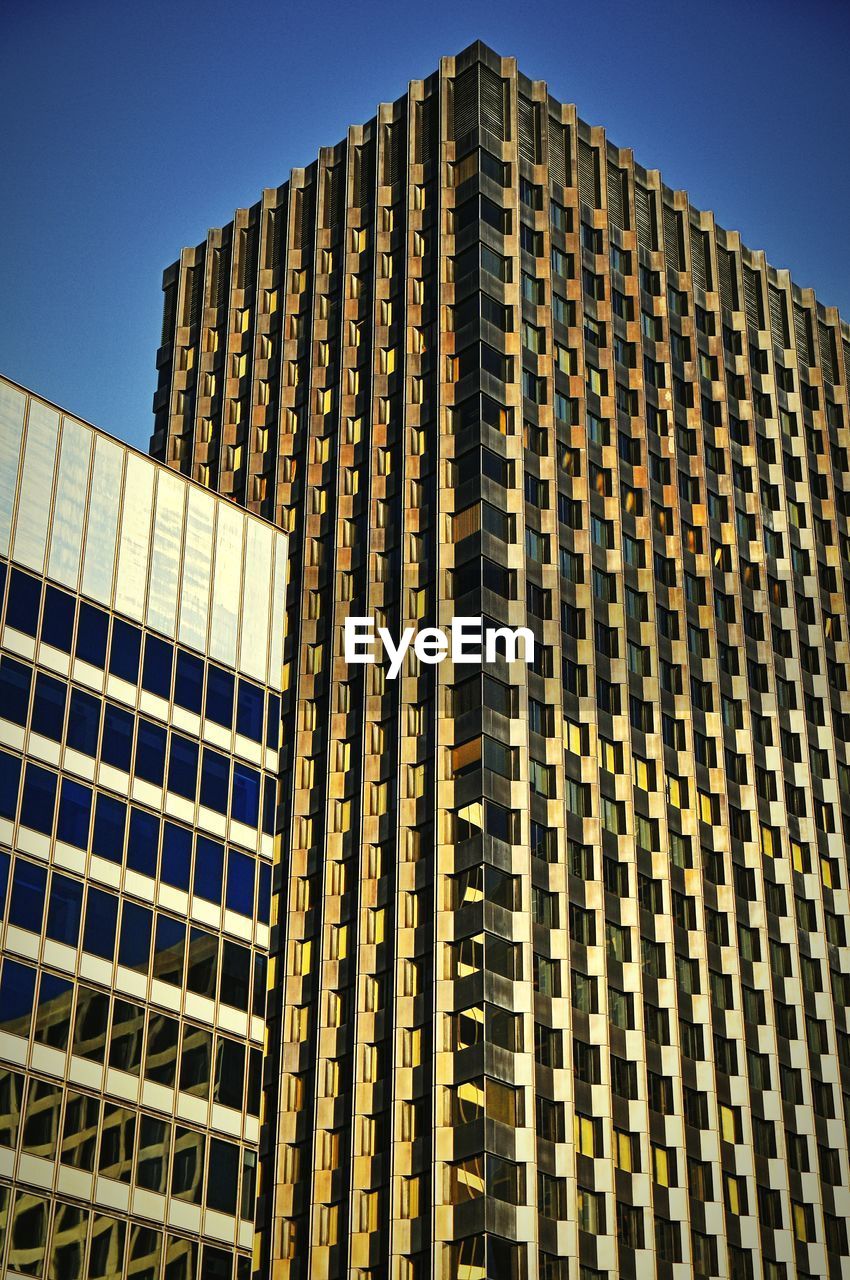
x=140 y=661
x=562 y=973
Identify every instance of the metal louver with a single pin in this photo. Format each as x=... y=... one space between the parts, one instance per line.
x=364 y=173
x=778 y=316
x=426 y=130
x=334 y=184
x=728 y=283
x=672 y=239
x=616 y=200
x=588 y=174
x=645 y=219
x=752 y=298
x=803 y=334
x=169 y=314
x=491 y=91
x=529 y=148
x=699 y=260
x=247 y=255
x=827 y=352
x=559 y=152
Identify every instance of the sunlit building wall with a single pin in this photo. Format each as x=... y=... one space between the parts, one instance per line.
x=562 y=975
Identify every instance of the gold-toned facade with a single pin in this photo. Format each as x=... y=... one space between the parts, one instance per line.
x=141 y=644
x=561 y=971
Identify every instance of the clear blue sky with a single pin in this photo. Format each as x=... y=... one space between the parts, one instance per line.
x=129 y=128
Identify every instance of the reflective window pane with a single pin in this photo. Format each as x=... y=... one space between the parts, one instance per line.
x=66 y=533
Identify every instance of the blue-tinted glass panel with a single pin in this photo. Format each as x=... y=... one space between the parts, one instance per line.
x=57 y=621
x=26 y=905
x=15 y=681
x=183 y=766
x=74 y=814
x=189 y=681
x=150 y=752
x=134 y=949
x=169 y=950
x=92 y=632
x=124 y=650
x=269 y=805
x=215 y=780
x=209 y=868
x=156 y=669
x=235 y=975
x=53 y=1018
x=176 y=856
x=249 y=711
x=17 y=996
x=3 y=575
x=110 y=819
x=64 y=909
x=101 y=919
x=264 y=893
x=10 y=781
x=219 y=706
x=246 y=794
x=143 y=842
x=273 y=722
x=240 y=883
x=117 y=737
x=202 y=969
x=221 y=1182
x=24 y=601
x=258 y=1006
x=5 y=862
x=48 y=706
x=84 y=722
x=39 y=801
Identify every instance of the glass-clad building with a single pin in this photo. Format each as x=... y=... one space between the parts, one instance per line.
x=140 y=694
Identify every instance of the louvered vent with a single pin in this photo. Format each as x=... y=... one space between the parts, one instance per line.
x=247 y=255
x=305 y=209
x=616 y=198
x=364 y=173
x=559 y=152
x=803 y=333
x=169 y=314
x=588 y=174
x=426 y=130
x=672 y=239
x=846 y=347
x=193 y=296
x=465 y=102
x=334 y=187
x=528 y=131
x=645 y=217
x=728 y=283
x=778 y=316
x=827 y=352
x=699 y=260
x=492 y=94
x=752 y=298
x=392 y=153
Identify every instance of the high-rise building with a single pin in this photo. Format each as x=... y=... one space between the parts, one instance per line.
x=140 y=684
x=561 y=977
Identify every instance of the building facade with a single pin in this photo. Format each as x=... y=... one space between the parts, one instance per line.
x=140 y=685
x=561 y=978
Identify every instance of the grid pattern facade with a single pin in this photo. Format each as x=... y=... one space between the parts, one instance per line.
x=139 y=756
x=561 y=980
